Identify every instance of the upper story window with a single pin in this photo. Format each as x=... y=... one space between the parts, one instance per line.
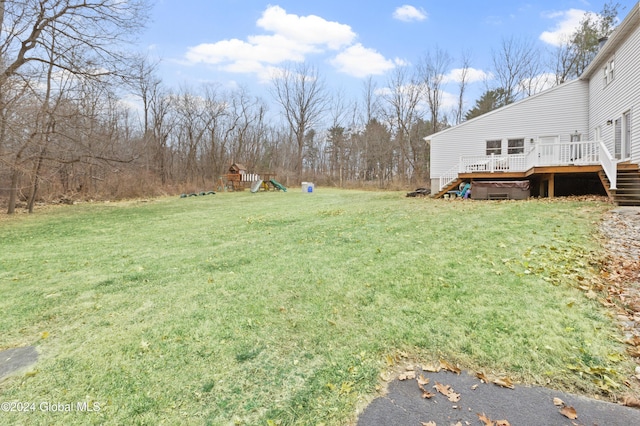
x=609 y=72
x=494 y=147
x=515 y=146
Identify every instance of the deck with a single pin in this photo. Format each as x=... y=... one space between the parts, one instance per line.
x=542 y=160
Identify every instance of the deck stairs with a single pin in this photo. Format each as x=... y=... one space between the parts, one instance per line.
x=451 y=186
x=628 y=185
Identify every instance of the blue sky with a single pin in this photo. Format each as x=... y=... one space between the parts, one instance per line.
x=241 y=42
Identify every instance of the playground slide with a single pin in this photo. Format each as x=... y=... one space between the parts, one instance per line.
x=465 y=189
x=255 y=186
x=278 y=185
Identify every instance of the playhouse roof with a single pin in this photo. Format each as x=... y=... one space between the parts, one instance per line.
x=237 y=167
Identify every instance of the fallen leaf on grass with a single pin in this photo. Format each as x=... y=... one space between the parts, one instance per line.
x=634 y=341
x=505 y=382
x=409 y=375
x=634 y=351
x=480 y=375
x=558 y=402
x=346 y=388
x=631 y=401
x=485 y=420
x=390 y=360
x=431 y=368
x=569 y=412
x=449 y=367
x=592 y=295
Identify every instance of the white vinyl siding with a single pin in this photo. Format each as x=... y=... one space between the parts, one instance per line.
x=590 y=106
x=620 y=98
x=556 y=111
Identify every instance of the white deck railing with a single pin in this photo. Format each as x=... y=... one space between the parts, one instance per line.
x=610 y=165
x=492 y=163
x=540 y=155
x=448 y=177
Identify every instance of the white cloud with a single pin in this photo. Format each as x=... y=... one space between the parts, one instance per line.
x=473 y=76
x=292 y=38
x=409 y=13
x=360 y=61
x=310 y=30
x=567 y=23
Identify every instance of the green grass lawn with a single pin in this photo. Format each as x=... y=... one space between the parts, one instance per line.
x=285 y=308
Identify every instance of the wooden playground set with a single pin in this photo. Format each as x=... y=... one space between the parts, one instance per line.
x=239 y=179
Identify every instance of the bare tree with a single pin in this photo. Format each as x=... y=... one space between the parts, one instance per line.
x=462 y=86
x=302 y=96
x=338 y=136
x=402 y=99
x=81 y=37
x=162 y=124
x=516 y=61
x=371 y=100
x=432 y=69
x=93 y=28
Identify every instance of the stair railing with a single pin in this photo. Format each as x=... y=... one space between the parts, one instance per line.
x=448 y=177
x=609 y=164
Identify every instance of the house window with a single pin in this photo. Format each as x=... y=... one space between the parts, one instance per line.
x=494 y=147
x=515 y=146
x=609 y=72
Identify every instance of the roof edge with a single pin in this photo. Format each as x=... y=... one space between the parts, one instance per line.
x=616 y=38
x=495 y=111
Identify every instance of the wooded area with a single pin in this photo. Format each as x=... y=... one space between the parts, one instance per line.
x=68 y=129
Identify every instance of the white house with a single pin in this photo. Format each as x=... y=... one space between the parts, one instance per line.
x=581 y=136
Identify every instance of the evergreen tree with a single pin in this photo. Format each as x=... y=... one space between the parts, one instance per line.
x=490 y=100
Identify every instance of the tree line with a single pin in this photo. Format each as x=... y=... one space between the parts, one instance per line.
x=67 y=130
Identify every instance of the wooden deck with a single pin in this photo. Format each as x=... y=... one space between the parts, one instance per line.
x=544 y=174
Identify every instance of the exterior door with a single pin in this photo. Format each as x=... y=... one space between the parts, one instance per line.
x=617 y=139
x=547 y=150
x=626 y=123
